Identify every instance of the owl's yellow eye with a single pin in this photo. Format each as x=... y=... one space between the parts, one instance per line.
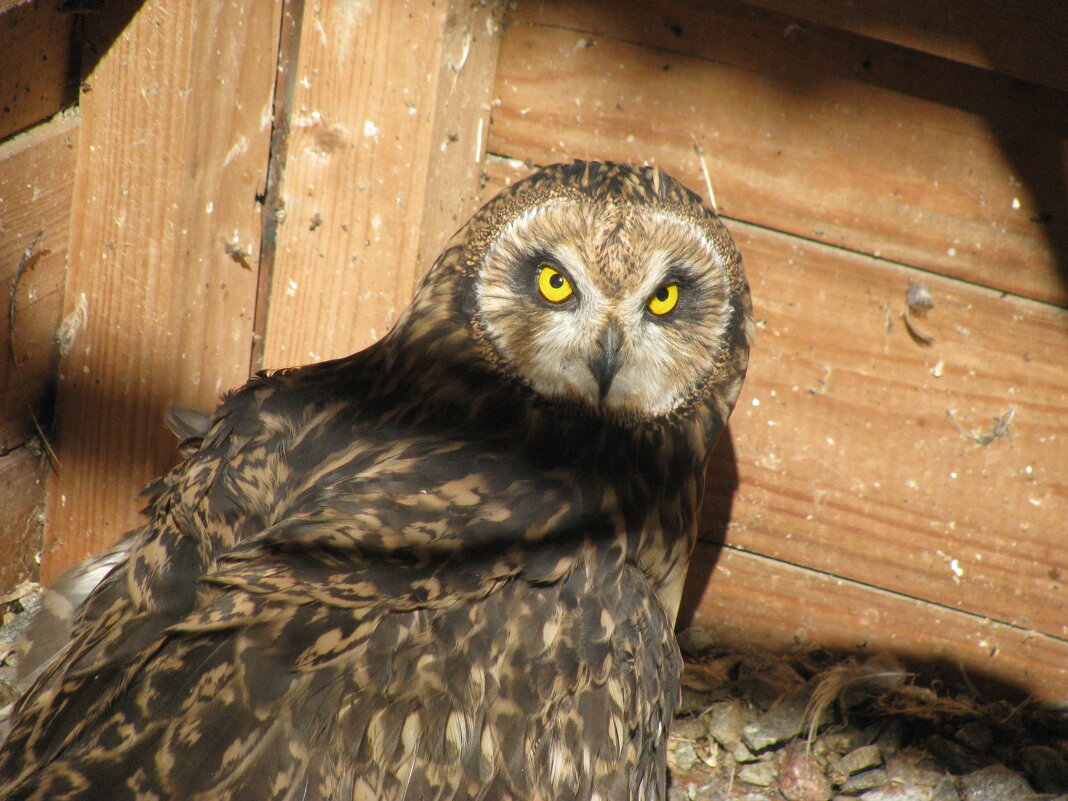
x=664 y=299
x=553 y=286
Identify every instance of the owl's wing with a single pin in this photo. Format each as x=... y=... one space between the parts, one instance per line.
x=309 y=675
x=195 y=511
x=52 y=624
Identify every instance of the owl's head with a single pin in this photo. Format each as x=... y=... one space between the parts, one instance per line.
x=606 y=287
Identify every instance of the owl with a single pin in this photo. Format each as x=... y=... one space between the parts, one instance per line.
x=445 y=567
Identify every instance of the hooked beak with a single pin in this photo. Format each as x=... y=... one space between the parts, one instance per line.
x=605 y=363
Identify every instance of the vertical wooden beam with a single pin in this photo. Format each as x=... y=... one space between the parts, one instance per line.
x=388 y=129
x=176 y=117
x=36 y=184
x=456 y=169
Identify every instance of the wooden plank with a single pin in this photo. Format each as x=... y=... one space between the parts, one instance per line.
x=172 y=155
x=846 y=461
x=390 y=101
x=1021 y=38
x=898 y=161
x=455 y=166
x=35 y=52
x=754 y=603
x=36 y=184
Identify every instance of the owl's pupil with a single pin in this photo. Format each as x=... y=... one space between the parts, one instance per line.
x=662 y=294
x=556 y=281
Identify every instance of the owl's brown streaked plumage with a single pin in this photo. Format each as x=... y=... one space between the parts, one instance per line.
x=445 y=567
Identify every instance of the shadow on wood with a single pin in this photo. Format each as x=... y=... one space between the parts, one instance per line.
x=721 y=483
x=98 y=26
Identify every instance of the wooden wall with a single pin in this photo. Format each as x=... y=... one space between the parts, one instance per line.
x=259 y=183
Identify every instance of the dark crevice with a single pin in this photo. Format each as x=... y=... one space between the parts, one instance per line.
x=271 y=197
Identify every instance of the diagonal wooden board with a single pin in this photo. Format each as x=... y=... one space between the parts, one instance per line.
x=917 y=159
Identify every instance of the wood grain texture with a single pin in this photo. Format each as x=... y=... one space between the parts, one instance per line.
x=843 y=458
x=458 y=140
x=848 y=460
x=755 y=603
x=36 y=185
x=819 y=133
x=1022 y=38
x=376 y=139
x=35 y=62
x=172 y=154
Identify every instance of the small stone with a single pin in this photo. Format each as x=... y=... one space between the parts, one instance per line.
x=688 y=729
x=761 y=773
x=696 y=641
x=887 y=737
x=840 y=742
x=1045 y=767
x=913 y=767
x=995 y=783
x=685 y=755
x=725 y=723
x=955 y=757
x=865 y=780
x=945 y=790
x=802 y=779
x=693 y=702
x=743 y=754
x=867 y=756
x=975 y=735
x=781 y=722
x=897 y=792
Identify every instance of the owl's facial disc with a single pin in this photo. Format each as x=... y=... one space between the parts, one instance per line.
x=620 y=308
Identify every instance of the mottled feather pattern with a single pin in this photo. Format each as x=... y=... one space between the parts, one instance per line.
x=412 y=573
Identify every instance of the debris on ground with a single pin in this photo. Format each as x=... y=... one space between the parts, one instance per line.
x=825 y=727
x=16 y=609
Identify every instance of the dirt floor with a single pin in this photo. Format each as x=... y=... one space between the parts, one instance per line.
x=817 y=727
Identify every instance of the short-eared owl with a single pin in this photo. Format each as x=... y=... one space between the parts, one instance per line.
x=445 y=567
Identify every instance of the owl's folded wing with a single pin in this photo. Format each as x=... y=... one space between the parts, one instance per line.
x=311 y=673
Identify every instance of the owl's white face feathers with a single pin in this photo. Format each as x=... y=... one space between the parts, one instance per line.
x=604 y=346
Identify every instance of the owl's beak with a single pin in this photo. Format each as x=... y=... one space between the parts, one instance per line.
x=605 y=362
